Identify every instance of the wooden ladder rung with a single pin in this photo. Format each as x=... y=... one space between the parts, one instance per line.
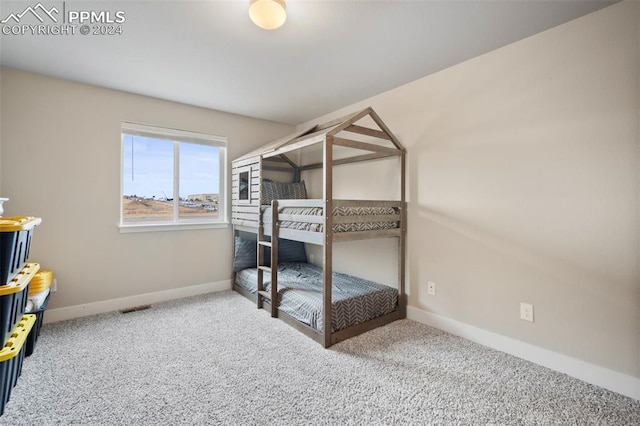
x=264 y=268
x=265 y=294
x=265 y=243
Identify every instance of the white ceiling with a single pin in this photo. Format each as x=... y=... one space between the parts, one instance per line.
x=329 y=54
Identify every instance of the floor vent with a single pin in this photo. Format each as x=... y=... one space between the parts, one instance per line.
x=135 y=309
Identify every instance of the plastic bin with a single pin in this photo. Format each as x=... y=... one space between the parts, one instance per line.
x=15 y=242
x=13 y=300
x=11 y=358
x=35 y=331
x=41 y=281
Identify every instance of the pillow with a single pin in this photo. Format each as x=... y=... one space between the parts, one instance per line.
x=290 y=251
x=282 y=191
x=246 y=255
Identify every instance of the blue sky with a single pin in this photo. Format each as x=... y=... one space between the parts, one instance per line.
x=148 y=168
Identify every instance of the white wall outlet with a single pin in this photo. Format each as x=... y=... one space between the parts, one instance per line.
x=526 y=312
x=431 y=288
x=54 y=286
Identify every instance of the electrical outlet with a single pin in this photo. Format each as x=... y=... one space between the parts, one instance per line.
x=431 y=288
x=54 y=286
x=526 y=312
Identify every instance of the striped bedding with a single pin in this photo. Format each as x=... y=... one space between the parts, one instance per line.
x=337 y=211
x=354 y=300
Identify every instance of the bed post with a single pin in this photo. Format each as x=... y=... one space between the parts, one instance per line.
x=327 y=264
x=402 y=240
x=274 y=258
x=260 y=258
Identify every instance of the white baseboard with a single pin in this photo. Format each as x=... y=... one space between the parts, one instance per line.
x=590 y=373
x=77 y=311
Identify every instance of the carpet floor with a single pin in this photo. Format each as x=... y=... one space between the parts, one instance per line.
x=217 y=360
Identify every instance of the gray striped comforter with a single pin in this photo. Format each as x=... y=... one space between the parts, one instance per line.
x=337 y=211
x=354 y=300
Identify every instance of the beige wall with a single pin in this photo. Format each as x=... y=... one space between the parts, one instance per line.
x=61 y=161
x=524 y=187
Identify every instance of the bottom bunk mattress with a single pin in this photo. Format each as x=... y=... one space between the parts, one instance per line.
x=354 y=300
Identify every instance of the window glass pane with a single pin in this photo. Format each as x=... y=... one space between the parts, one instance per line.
x=199 y=181
x=244 y=186
x=147 y=179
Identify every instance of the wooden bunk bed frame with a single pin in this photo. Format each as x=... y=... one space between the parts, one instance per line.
x=248 y=215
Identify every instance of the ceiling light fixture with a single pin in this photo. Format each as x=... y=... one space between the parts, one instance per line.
x=268 y=14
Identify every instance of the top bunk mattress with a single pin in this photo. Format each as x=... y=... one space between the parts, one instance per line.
x=348 y=226
x=353 y=300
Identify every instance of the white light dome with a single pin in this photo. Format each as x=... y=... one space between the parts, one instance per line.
x=268 y=14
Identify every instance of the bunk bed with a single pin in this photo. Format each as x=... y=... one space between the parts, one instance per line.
x=273 y=220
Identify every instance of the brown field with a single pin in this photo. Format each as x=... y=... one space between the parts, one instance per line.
x=137 y=209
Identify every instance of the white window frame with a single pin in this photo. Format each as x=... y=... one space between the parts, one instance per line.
x=175 y=223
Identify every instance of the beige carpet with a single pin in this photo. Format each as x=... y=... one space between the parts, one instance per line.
x=216 y=359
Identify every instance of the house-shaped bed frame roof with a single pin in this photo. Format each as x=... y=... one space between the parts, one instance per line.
x=385 y=145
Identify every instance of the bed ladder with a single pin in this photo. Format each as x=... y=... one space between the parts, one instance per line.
x=271 y=296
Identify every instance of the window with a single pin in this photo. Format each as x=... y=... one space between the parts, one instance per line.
x=244 y=196
x=171 y=179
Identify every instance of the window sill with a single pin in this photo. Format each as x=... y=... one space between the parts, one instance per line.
x=161 y=227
